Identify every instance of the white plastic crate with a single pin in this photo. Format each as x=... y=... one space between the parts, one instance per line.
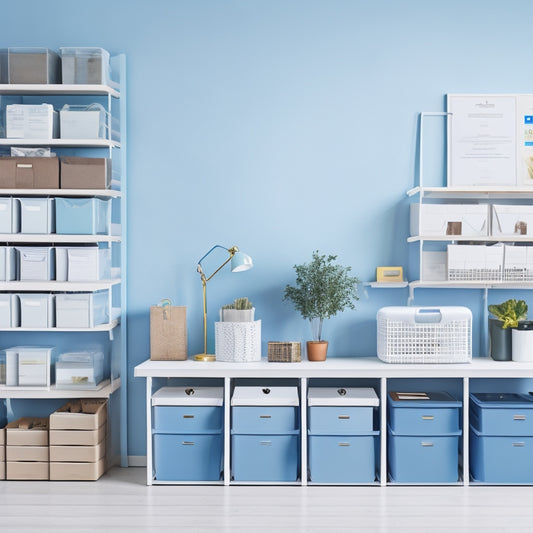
x=424 y=334
x=475 y=262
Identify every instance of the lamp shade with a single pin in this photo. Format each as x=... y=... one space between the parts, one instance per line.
x=241 y=262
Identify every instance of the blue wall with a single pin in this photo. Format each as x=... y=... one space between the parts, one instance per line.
x=281 y=127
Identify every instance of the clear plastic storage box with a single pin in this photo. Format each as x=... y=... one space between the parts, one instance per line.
x=85 y=66
x=79 y=370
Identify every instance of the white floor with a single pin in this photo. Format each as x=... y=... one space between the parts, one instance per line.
x=121 y=502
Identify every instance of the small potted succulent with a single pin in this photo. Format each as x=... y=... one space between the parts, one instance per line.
x=241 y=310
x=507 y=316
x=323 y=289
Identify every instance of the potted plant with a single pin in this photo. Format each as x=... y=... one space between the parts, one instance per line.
x=241 y=310
x=323 y=289
x=507 y=314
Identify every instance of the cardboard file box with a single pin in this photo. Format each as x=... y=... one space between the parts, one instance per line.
x=9 y=311
x=82 y=122
x=27 y=453
x=88 y=263
x=82 y=309
x=449 y=219
x=33 y=65
x=68 y=437
x=37 y=215
x=26 y=121
x=83 y=216
x=85 y=173
x=509 y=220
x=29 y=173
x=78 y=454
x=37 y=311
x=27 y=470
x=79 y=471
x=27 y=431
x=475 y=262
x=85 y=65
x=79 y=370
x=9 y=214
x=8 y=263
x=36 y=263
x=80 y=415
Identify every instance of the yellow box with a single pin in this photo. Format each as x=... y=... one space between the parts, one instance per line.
x=389 y=274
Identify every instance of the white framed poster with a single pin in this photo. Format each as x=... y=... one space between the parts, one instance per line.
x=490 y=140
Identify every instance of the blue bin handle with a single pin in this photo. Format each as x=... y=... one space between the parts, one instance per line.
x=428 y=315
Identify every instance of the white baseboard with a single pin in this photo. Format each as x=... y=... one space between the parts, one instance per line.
x=136 y=460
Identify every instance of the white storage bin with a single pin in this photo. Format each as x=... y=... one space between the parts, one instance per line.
x=510 y=220
x=9 y=215
x=82 y=122
x=475 y=262
x=36 y=263
x=37 y=311
x=88 y=263
x=37 y=215
x=27 y=121
x=238 y=341
x=82 y=309
x=450 y=219
x=518 y=263
x=8 y=263
x=424 y=334
x=79 y=370
x=9 y=311
x=34 y=366
x=85 y=65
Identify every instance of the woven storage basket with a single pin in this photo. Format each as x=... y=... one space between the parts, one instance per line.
x=424 y=334
x=284 y=352
x=238 y=341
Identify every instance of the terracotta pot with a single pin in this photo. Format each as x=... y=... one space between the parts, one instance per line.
x=317 y=350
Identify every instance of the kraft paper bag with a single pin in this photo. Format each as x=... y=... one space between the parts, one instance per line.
x=168 y=333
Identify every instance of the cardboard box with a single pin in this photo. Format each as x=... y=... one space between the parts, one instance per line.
x=78 y=454
x=66 y=437
x=3 y=454
x=3 y=436
x=29 y=173
x=27 y=431
x=27 y=470
x=88 y=414
x=77 y=471
x=85 y=173
x=26 y=121
x=27 y=453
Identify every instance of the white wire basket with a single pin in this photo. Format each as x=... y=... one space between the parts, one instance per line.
x=424 y=334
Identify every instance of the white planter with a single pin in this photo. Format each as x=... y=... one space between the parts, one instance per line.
x=238 y=341
x=237 y=315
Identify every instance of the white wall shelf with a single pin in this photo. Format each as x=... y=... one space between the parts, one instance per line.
x=56 y=238
x=68 y=143
x=99 y=193
x=58 y=89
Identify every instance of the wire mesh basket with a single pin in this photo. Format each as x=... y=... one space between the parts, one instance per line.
x=424 y=334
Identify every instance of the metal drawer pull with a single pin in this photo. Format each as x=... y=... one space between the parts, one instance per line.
x=265 y=416
x=344 y=417
x=519 y=417
x=519 y=444
x=427 y=444
x=266 y=443
x=187 y=443
x=344 y=444
x=428 y=417
x=188 y=416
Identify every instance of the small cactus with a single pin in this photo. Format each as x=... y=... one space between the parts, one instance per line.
x=240 y=304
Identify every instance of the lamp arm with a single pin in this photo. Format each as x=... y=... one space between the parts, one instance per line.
x=231 y=251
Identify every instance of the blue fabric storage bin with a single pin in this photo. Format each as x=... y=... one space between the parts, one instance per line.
x=436 y=415
x=83 y=216
x=265 y=457
x=423 y=459
x=500 y=458
x=342 y=459
x=189 y=457
x=502 y=413
x=187 y=419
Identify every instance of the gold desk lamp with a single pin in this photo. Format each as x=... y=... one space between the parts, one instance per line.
x=239 y=263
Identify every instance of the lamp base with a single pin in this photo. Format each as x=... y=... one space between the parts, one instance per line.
x=204 y=357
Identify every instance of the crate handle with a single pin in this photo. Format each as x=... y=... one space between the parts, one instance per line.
x=428 y=315
x=265 y=416
x=519 y=417
x=428 y=417
x=426 y=444
x=344 y=444
x=344 y=417
x=187 y=443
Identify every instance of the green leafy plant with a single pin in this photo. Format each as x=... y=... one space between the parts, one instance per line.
x=323 y=289
x=240 y=304
x=510 y=312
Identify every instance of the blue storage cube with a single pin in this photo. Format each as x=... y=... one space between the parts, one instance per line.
x=265 y=457
x=501 y=459
x=37 y=311
x=189 y=457
x=423 y=459
x=342 y=459
x=37 y=215
x=341 y=411
x=432 y=413
x=502 y=413
x=83 y=216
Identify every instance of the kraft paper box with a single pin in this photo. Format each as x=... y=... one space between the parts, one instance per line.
x=82 y=437
x=78 y=454
x=85 y=173
x=168 y=333
x=29 y=173
x=27 y=453
x=27 y=431
x=31 y=470
x=80 y=414
x=77 y=471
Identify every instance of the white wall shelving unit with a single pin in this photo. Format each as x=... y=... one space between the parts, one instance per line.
x=114 y=101
x=339 y=369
